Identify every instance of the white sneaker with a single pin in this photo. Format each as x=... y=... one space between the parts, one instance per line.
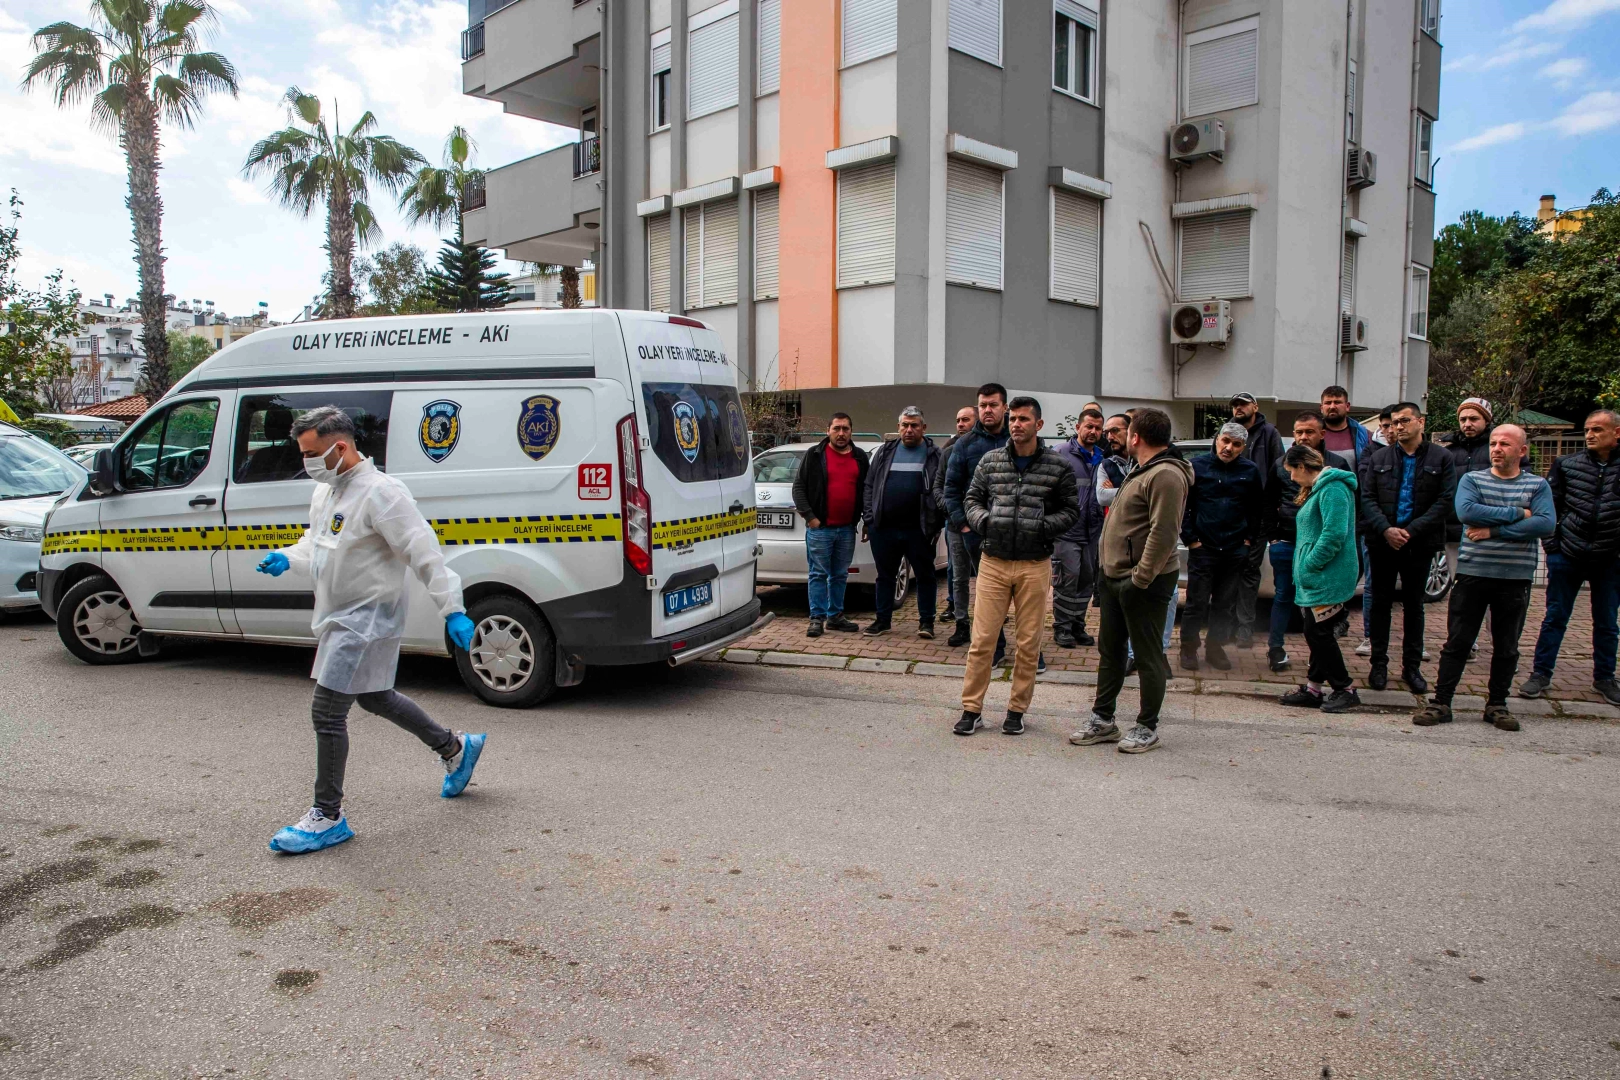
x=1365 y=648
x=1139 y=740
x=1425 y=652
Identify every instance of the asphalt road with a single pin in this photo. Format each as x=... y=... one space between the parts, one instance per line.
x=747 y=872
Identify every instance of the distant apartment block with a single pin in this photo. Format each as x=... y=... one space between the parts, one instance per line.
x=1152 y=202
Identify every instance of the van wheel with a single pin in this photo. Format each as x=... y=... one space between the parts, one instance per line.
x=96 y=624
x=512 y=662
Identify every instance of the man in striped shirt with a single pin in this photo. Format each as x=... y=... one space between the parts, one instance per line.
x=1504 y=512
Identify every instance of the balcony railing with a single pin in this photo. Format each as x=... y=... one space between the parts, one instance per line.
x=472 y=41
x=472 y=194
x=587 y=156
x=472 y=38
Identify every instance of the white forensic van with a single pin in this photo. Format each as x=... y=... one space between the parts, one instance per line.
x=587 y=473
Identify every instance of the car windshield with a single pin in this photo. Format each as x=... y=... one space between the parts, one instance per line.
x=30 y=468
x=777 y=466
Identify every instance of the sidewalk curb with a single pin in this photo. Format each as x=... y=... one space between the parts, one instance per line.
x=1381 y=699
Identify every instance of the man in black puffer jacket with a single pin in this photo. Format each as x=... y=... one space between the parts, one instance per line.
x=1221 y=525
x=1584 y=549
x=1470 y=447
x=1023 y=496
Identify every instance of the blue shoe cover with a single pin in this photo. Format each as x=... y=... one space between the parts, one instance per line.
x=456 y=782
x=295 y=841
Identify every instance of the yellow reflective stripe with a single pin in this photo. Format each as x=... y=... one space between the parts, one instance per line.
x=263 y=537
x=708 y=527
x=77 y=541
x=550 y=529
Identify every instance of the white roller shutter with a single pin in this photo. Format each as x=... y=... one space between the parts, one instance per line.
x=1223 y=68
x=767 y=208
x=972 y=224
x=660 y=56
x=1076 y=248
x=975 y=28
x=1215 y=256
x=658 y=263
x=866 y=225
x=1347 y=278
x=711 y=62
x=871 y=28
x=711 y=254
x=770 y=47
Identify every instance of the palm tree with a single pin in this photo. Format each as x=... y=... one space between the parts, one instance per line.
x=139 y=64
x=434 y=194
x=309 y=164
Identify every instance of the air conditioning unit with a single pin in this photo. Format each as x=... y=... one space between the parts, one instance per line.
x=1198 y=139
x=1352 y=333
x=1362 y=169
x=1208 y=322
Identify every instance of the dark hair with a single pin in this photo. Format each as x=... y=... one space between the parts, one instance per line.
x=1336 y=391
x=1091 y=412
x=841 y=416
x=1152 y=426
x=1386 y=412
x=1402 y=406
x=1025 y=403
x=1309 y=414
x=1121 y=416
x=993 y=389
x=1301 y=456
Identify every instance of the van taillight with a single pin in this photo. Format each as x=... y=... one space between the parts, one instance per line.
x=637 y=506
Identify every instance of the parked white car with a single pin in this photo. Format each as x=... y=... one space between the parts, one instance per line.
x=85 y=452
x=32 y=474
x=781 y=530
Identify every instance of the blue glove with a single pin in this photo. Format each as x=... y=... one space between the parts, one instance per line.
x=461 y=630
x=275 y=564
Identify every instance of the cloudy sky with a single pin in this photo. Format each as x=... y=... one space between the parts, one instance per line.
x=1530 y=103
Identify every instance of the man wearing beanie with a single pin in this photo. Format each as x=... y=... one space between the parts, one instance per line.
x=1221 y=527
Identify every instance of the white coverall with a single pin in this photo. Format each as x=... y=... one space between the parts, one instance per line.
x=364 y=531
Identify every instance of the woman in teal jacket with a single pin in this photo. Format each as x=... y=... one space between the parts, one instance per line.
x=1325 y=573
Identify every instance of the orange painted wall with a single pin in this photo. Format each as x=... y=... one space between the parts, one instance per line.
x=807 y=311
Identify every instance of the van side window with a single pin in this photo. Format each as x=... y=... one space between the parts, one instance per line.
x=698 y=432
x=170 y=448
x=265 y=449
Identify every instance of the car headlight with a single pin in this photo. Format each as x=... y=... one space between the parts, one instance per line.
x=27 y=534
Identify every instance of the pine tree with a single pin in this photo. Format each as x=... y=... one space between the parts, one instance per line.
x=463 y=280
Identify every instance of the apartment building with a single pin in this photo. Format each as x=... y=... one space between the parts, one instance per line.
x=1167 y=201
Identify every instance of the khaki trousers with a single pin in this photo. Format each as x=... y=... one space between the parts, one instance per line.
x=1023 y=584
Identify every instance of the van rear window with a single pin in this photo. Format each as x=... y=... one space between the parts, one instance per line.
x=697 y=431
x=265 y=449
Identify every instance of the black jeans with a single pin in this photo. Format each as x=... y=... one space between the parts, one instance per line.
x=330 y=711
x=1248 y=596
x=1327 y=662
x=1411 y=565
x=1214 y=584
x=1507 y=600
x=1137 y=615
x=889 y=546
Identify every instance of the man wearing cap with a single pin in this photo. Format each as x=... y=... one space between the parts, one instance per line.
x=1222 y=525
x=1265 y=448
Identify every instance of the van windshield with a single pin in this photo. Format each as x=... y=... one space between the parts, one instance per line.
x=697 y=431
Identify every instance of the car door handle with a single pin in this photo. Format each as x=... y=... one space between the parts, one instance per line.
x=202 y=500
x=737 y=507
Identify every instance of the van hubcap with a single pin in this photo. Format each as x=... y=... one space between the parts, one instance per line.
x=502 y=653
x=104 y=623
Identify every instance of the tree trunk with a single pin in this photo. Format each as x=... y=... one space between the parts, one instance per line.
x=340 y=253
x=570 y=286
x=140 y=137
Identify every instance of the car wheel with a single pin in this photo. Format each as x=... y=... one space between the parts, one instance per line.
x=902 y=582
x=512 y=662
x=95 y=622
x=1442 y=575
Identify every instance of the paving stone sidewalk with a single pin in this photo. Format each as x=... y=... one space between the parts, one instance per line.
x=784 y=642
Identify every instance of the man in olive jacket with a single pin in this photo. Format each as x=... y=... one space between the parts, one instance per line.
x=1140 y=567
x=1022 y=497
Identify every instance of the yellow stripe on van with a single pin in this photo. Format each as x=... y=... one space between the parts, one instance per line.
x=549 y=529
x=708 y=527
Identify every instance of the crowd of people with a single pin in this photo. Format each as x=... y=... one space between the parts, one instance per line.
x=1097 y=520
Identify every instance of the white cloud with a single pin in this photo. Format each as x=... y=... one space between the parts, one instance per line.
x=1594 y=112
x=1514 y=51
x=35 y=128
x=1567 y=14
x=1501 y=133
x=1565 y=72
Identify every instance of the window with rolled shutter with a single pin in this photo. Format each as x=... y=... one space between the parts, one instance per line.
x=1350 y=107
x=1347 y=278
x=1076 y=248
x=1420 y=302
x=711 y=62
x=1223 y=68
x=972 y=225
x=866 y=225
x=871 y=28
x=658 y=262
x=975 y=28
x=1215 y=256
x=711 y=254
x=658 y=106
x=767 y=208
x=770 y=47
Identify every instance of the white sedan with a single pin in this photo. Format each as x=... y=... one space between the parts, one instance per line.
x=32 y=474
x=781 y=529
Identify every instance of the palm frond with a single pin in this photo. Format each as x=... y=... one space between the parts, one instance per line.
x=209 y=72
x=307 y=107
x=389 y=161
x=177 y=102
x=366 y=229
x=430 y=197
x=183 y=18
x=70 y=57
x=107 y=108
x=459 y=146
x=367 y=121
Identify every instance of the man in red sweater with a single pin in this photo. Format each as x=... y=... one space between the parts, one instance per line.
x=827 y=494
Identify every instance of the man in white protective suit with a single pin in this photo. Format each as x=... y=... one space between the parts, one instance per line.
x=364 y=533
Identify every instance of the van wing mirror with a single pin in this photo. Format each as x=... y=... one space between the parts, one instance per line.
x=104 y=473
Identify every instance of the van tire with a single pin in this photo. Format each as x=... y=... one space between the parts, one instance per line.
x=96 y=624
x=513 y=660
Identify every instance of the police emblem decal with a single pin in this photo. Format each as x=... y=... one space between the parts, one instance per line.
x=686 y=429
x=440 y=429
x=737 y=428
x=337 y=524
x=539 y=425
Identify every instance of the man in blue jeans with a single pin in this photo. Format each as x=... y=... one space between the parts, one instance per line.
x=1281 y=491
x=827 y=494
x=1584 y=549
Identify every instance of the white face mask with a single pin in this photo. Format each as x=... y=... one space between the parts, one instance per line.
x=317 y=470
